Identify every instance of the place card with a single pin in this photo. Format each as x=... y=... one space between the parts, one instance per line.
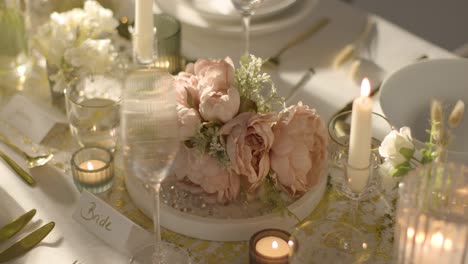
x=110 y=225
x=31 y=118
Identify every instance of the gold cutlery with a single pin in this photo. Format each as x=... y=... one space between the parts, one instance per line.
x=26 y=243
x=304 y=79
x=14 y=227
x=311 y=30
x=32 y=161
x=22 y=173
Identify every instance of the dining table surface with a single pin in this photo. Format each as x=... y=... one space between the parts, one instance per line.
x=56 y=198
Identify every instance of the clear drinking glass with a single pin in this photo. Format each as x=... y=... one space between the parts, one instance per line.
x=150 y=143
x=93 y=110
x=247 y=9
x=432 y=215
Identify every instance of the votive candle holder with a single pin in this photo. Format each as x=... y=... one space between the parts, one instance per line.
x=92 y=169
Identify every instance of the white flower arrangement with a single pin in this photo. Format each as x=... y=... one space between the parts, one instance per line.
x=78 y=42
x=398 y=148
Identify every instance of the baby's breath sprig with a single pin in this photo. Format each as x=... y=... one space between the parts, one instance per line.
x=208 y=141
x=256 y=86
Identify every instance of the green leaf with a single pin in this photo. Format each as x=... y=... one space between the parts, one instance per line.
x=401 y=169
x=407 y=153
x=189 y=98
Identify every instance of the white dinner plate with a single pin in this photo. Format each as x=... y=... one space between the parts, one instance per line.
x=190 y=16
x=406 y=97
x=224 y=10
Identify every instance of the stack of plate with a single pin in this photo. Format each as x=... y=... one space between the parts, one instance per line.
x=221 y=16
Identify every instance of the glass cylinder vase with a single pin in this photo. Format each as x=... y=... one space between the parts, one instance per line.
x=432 y=215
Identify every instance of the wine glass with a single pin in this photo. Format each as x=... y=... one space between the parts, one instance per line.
x=150 y=143
x=246 y=8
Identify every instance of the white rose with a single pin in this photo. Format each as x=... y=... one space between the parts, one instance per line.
x=96 y=56
x=397 y=147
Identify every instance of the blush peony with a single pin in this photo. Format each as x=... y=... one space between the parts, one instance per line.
x=206 y=172
x=248 y=143
x=299 y=152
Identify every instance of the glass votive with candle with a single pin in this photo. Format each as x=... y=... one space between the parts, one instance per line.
x=271 y=246
x=432 y=215
x=339 y=130
x=93 y=169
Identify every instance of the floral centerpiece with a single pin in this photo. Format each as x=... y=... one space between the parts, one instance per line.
x=78 y=42
x=238 y=135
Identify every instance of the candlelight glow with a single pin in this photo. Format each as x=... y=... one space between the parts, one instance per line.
x=274 y=244
x=365 y=87
x=410 y=233
x=437 y=240
x=420 y=238
x=290 y=243
x=90 y=165
x=448 y=244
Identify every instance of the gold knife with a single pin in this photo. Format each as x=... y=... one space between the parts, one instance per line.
x=26 y=243
x=20 y=171
x=311 y=30
x=14 y=227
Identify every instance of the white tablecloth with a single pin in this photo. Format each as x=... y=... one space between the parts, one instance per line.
x=55 y=196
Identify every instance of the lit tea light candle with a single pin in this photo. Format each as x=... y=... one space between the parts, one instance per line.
x=92 y=169
x=360 y=139
x=273 y=247
x=91 y=166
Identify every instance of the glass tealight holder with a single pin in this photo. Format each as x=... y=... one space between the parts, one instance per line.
x=93 y=169
x=432 y=215
x=339 y=129
x=271 y=246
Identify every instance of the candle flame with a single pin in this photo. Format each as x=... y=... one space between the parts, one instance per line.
x=90 y=165
x=365 y=87
x=290 y=243
x=274 y=244
x=448 y=244
x=437 y=240
x=410 y=233
x=420 y=237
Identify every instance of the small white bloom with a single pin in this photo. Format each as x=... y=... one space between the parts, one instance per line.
x=96 y=56
x=397 y=147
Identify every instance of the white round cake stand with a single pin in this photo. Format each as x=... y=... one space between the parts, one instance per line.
x=216 y=229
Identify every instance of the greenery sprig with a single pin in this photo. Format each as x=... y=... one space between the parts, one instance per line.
x=272 y=197
x=208 y=141
x=256 y=86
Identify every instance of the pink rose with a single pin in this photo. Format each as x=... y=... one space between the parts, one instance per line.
x=215 y=75
x=206 y=172
x=219 y=105
x=189 y=122
x=299 y=153
x=248 y=144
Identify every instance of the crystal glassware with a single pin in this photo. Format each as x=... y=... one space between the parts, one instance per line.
x=93 y=169
x=92 y=105
x=246 y=8
x=343 y=238
x=432 y=215
x=150 y=143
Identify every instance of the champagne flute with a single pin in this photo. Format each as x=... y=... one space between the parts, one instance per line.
x=150 y=143
x=246 y=8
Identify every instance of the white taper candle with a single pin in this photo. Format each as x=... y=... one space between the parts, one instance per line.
x=360 y=139
x=144 y=35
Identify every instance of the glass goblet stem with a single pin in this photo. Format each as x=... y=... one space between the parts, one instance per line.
x=246 y=26
x=156 y=224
